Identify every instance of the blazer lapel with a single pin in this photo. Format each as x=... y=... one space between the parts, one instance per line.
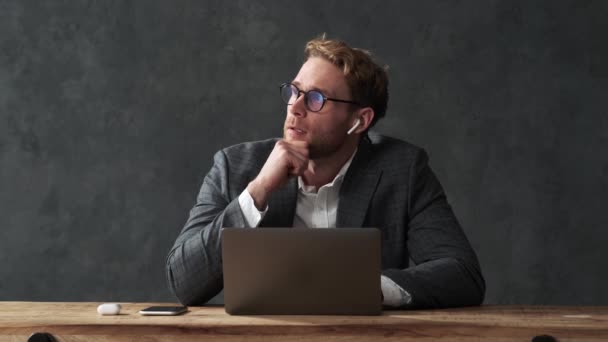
x=358 y=187
x=282 y=206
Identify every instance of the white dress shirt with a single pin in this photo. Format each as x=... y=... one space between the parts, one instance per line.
x=318 y=208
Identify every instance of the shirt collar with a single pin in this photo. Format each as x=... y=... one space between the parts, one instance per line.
x=337 y=180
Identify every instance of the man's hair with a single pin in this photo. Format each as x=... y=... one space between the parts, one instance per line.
x=367 y=80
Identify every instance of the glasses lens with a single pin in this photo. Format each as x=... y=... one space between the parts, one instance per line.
x=314 y=100
x=289 y=93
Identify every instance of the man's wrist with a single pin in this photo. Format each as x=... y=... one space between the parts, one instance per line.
x=258 y=193
x=252 y=215
x=393 y=294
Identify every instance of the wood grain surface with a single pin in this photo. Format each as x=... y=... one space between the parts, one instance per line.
x=81 y=322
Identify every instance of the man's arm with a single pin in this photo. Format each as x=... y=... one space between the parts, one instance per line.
x=447 y=272
x=194 y=266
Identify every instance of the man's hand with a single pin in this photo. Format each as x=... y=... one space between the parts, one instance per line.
x=287 y=159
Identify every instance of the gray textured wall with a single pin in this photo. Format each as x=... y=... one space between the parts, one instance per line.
x=110 y=112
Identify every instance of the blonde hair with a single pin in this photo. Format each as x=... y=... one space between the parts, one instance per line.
x=367 y=80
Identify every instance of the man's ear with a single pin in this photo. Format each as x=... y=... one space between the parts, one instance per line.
x=366 y=115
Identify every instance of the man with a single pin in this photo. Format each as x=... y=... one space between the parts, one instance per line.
x=327 y=171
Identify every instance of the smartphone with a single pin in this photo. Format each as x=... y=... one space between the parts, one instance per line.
x=164 y=310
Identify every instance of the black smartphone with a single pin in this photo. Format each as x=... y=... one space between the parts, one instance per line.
x=164 y=310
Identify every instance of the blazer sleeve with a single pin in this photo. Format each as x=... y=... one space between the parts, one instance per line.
x=446 y=271
x=194 y=265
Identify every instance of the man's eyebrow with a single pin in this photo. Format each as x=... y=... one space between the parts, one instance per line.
x=325 y=92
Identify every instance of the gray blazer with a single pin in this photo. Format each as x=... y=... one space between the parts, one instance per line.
x=389 y=185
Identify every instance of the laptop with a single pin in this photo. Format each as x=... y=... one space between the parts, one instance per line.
x=301 y=271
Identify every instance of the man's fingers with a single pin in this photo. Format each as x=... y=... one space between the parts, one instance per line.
x=299 y=150
x=297 y=143
x=297 y=166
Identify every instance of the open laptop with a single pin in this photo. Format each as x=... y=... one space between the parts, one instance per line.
x=301 y=271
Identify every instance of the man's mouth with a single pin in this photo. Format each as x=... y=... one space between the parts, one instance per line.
x=297 y=130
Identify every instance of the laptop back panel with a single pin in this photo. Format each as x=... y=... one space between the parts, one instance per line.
x=291 y=271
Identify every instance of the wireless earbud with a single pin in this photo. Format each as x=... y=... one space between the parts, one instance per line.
x=352 y=129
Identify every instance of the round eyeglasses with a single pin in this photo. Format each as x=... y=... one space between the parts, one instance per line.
x=314 y=100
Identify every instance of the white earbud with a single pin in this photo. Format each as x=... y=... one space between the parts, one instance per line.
x=352 y=129
x=109 y=309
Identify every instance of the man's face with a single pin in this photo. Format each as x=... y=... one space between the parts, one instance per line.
x=325 y=130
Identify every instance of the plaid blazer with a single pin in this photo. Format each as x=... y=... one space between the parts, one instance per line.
x=389 y=185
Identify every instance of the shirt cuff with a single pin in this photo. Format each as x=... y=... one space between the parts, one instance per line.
x=252 y=215
x=393 y=294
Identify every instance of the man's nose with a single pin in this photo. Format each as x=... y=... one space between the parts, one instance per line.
x=298 y=108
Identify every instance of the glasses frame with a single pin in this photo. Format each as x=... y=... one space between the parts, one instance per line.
x=325 y=98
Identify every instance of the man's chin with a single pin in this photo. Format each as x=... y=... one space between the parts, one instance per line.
x=291 y=136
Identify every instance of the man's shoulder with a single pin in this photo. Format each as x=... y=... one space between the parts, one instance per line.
x=251 y=147
x=245 y=158
x=386 y=145
x=393 y=156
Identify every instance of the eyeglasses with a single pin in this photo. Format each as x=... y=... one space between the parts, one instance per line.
x=314 y=100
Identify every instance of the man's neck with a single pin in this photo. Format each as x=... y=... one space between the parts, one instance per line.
x=323 y=170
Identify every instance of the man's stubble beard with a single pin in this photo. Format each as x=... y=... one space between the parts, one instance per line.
x=320 y=148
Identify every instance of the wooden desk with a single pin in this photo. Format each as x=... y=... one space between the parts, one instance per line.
x=80 y=322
